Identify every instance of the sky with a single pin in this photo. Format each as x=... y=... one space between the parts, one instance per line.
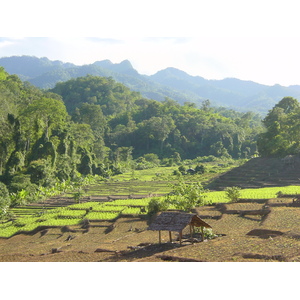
x=250 y=40
x=265 y=60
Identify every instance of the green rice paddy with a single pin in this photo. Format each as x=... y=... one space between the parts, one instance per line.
x=262 y=193
x=144 y=182
x=74 y=215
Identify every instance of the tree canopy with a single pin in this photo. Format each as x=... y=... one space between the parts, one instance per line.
x=282 y=129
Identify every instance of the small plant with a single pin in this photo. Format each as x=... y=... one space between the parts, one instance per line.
x=207 y=232
x=155 y=205
x=77 y=196
x=233 y=193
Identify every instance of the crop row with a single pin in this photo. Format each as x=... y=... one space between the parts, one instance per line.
x=262 y=193
x=96 y=216
x=74 y=214
x=130 y=202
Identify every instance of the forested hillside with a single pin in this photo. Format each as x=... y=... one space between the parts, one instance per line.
x=232 y=93
x=164 y=128
x=94 y=125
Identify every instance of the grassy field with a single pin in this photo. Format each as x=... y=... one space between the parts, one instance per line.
x=262 y=193
x=109 y=211
x=73 y=215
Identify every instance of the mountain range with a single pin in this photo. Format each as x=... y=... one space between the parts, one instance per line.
x=173 y=83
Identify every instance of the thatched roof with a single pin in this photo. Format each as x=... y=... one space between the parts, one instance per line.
x=176 y=221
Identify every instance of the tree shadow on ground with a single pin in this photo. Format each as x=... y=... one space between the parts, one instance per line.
x=146 y=250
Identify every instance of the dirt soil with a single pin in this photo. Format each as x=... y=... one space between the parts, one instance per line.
x=273 y=235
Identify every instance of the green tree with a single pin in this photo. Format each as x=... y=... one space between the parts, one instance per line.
x=186 y=196
x=282 y=129
x=44 y=115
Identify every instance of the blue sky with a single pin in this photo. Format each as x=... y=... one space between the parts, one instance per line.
x=249 y=40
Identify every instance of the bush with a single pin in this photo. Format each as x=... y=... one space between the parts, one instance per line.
x=153 y=158
x=200 y=169
x=233 y=193
x=4 y=200
x=187 y=195
x=21 y=182
x=156 y=204
x=182 y=170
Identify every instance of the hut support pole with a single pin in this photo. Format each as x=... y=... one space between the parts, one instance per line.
x=191 y=231
x=180 y=237
x=170 y=235
x=159 y=236
x=202 y=232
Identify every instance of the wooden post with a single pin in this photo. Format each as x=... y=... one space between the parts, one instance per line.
x=202 y=232
x=180 y=237
x=191 y=230
x=170 y=235
x=159 y=236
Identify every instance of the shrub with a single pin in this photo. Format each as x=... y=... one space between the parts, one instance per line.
x=187 y=195
x=233 y=193
x=153 y=158
x=200 y=169
x=182 y=170
x=156 y=204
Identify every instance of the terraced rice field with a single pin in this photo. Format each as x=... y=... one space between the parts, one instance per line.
x=74 y=215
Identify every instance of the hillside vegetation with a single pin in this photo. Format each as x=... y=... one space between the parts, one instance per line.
x=95 y=126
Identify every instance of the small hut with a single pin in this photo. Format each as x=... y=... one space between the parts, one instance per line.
x=177 y=221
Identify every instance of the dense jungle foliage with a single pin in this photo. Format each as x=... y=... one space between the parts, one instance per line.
x=95 y=126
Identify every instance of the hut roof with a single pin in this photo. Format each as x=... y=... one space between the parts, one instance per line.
x=176 y=221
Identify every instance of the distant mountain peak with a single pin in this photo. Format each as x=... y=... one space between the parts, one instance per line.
x=123 y=66
x=126 y=63
x=170 y=82
x=103 y=63
x=171 y=70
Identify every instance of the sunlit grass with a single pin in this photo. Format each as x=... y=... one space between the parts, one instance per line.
x=60 y=222
x=9 y=231
x=85 y=205
x=71 y=213
x=262 y=193
x=101 y=216
x=130 y=202
x=133 y=211
x=109 y=208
